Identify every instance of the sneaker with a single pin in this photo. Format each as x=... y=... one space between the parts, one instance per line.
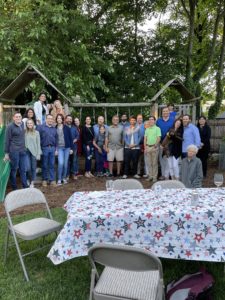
x=58 y=183
x=124 y=177
x=162 y=178
x=32 y=184
x=75 y=177
x=44 y=183
x=87 y=175
x=145 y=176
x=53 y=183
x=154 y=180
x=110 y=175
x=65 y=181
x=78 y=175
x=137 y=176
x=91 y=175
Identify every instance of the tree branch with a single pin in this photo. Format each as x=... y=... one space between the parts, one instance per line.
x=185 y=8
x=104 y=9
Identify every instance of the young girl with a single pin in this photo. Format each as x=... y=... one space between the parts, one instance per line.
x=32 y=143
x=100 y=153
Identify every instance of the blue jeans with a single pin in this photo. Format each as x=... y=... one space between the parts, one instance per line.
x=88 y=156
x=31 y=166
x=99 y=159
x=63 y=157
x=18 y=160
x=75 y=167
x=48 y=163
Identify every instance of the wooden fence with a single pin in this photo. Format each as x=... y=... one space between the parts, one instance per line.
x=218 y=133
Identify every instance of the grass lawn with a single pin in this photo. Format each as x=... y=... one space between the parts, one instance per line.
x=70 y=280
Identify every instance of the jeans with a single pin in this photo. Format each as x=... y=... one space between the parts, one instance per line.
x=88 y=157
x=31 y=166
x=131 y=156
x=18 y=160
x=63 y=158
x=100 y=158
x=48 y=163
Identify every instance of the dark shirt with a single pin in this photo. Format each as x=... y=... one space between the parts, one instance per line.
x=14 y=138
x=205 y=135
x=48 y=135
x=87 y=135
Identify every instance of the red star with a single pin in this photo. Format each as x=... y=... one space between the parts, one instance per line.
x=187 y=216
x=188 y=253
x=69 y=252
x=108 y=215
x=158 y=234
x=77 y=233
x=198 y=237
x=118 y=233
x=148 y=215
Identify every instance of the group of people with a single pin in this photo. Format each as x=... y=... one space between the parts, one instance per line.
x=137 y=147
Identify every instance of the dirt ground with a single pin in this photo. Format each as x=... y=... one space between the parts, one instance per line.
x=57 y=196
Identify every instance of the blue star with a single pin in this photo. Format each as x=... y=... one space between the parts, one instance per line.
x=89 y=244
x=170 y=248
x=211 y=250
x=219 y=225
x=171 y=213
x=140 y=222
x=180 y=224
x=129 y=243
x=56 y=252
x=210 y=213
x=99 y=222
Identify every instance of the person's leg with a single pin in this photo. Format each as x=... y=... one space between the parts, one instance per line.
x=110 y=157
x=170 y=167
x=146 y=171
x=149 y=164
x=65 y=162
x=135 y=158
x=60 y=163
x=127 y=160
x=44 y=161
x=97 y=161
x=176 y=167
x=51 y=164
x=22 y=168
x=28 y=165
x=119 y=159
x=75 y=162
x=154 y=157
x=33 y=161
x=14 y=164
x=163 y=162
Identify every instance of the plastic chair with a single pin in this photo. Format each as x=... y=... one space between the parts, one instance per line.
x=30 y=229
x=129 y=273
x=169 y=184
x=127 y=184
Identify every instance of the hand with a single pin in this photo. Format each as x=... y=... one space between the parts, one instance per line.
x=71 y=151
x=107 y=150
x=88 y=147
x=38 y=122
x=100 y=150
x=6 y=157
x=74 y=141
x=56 y=152
x=38 y=158
x=132 y=146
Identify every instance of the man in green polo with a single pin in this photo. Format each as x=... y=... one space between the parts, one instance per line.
x=151 y=146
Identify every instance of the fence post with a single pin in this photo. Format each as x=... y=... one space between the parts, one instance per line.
x=1 y=115
x=194 y=114
x=154 y=110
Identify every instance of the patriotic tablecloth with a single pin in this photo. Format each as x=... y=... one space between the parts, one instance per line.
x=165 y=224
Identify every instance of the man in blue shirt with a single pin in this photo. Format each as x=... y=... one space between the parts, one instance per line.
x=191 y=135
x=48 y=135
x=164 y=123
x=98 y=125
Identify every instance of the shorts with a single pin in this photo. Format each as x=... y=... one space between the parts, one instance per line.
x=115 y=154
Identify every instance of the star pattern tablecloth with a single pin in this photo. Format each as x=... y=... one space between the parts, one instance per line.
x=165 y=223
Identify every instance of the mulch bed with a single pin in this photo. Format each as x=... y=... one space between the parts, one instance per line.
x=57 y=196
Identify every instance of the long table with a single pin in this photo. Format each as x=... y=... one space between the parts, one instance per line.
x=166 y=224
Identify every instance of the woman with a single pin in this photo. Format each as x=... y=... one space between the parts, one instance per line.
x=32 y=143
x=205 y=135
x=29 y=115
x=100 y=153
x=40 y=109
x=57 y=109
x=79 y=144
x=173 y=149
x=132 y=138
x=64 y=147
x=87 y=138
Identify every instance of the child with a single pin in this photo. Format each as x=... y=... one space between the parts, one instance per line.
x=100 y=153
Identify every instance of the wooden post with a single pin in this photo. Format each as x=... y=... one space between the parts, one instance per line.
x=193 y=113
x=1 y=115
x=154 y=110
x=81 y=115
x=105 y=113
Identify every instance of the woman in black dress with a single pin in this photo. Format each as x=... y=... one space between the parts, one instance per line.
x=205 y=134
x=87 y=139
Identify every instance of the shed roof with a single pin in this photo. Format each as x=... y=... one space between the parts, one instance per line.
x=179 y=86
x=29 y=74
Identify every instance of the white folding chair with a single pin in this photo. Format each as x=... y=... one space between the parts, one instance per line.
x=169 y=184
x=30 y=229
x=129 y=273
x=127 y=184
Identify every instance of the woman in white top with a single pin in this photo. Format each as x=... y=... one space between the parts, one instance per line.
x=32 y=143
x=40 y=109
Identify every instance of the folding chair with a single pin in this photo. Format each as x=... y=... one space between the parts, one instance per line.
x=129 y=273
x=127 y=184
x=30 y=229
x=169 y=184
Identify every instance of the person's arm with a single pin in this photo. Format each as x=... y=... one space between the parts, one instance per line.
x=197 y=182
x=8 y=135
x=38 y=145
x=197 y=138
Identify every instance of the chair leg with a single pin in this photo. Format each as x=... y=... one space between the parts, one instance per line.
x=6 y=245
x=20 y=257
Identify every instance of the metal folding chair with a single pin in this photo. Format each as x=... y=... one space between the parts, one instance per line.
x=169 y=184
x=127 y=184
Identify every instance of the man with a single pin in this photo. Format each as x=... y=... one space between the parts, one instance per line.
x=191 y=135
x=73 y=160
x=48 y=135
x=140 y=124
x=98 y=125
x=164 y=123
x=124 y=123
x=171 y=110
x=191 y=169
x=132 y=137
x=151 y=147
x=15 y=150
x=114 y=145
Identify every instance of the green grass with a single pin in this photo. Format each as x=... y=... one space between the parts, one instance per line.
x=70 y=280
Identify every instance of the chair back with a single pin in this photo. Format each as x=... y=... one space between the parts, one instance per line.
x=127 y=184
x=124 y=257
x=169 y=184
x=23 y=197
